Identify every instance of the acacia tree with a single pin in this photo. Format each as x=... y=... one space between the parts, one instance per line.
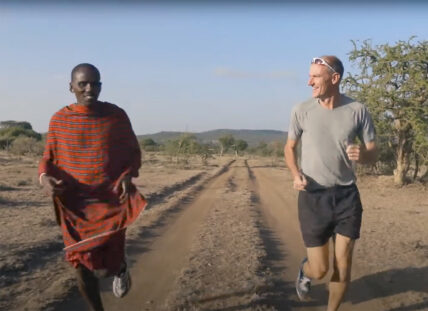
x=187 y=145
x=226 y=141
x=278 y=148
x=393 y=83
x=148 y=144
x=239 y=145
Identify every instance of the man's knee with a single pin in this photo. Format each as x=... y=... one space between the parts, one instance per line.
x=343 y=258
x=318 y=261
x=318 y=270
x=342 y=270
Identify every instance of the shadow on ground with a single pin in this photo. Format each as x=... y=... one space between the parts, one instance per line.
x=378 y=286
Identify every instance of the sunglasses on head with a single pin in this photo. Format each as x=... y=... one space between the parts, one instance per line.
x=320 y=61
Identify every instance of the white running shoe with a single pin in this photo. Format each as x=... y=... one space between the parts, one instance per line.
x=303 y=283
x=122 y=283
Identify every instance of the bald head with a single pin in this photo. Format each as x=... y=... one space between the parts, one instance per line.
x=335 y=63
x=85 y=67
x=85 y=84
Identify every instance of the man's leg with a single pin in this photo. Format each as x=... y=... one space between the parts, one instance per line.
x=317 y=265
x=343 y=249
x=315 y=217
x=89 y=287
x=122 y=281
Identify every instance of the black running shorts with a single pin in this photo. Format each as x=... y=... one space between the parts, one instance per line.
x=325 y=212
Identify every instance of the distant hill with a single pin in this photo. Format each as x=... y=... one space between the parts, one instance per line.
x=252 y=137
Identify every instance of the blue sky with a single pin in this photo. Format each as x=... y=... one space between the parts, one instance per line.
x=185 y=67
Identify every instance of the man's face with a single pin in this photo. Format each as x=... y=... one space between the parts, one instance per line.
x=86 y=86
x=321 y=81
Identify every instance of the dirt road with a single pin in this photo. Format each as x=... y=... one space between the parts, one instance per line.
x=235 y=246
x=222 y=236
x=157 y=270
x=278 y=206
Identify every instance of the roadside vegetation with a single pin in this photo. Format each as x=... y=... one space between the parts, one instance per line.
x=392 y=80
x=19 y=138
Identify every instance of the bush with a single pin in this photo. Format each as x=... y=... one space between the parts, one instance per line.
x=19 y=131
x=273 y=149
x=148 y=144
x=26 y=146
x=185 y=147
x=22 y=124
x=10 y=130
x=5 y=142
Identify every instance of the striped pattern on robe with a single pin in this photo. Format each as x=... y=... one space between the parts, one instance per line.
x=91 y=149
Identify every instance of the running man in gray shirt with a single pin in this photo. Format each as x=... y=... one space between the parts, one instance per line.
x=329 y=203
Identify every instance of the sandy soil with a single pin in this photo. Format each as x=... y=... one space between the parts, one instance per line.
x=218 y=237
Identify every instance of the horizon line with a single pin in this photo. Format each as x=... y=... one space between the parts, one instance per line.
x=217 y=129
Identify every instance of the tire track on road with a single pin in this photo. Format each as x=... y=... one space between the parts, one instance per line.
x=157 y=269
x=278 y=206
x=222 y=272
x=142 y=241
x=279 y=291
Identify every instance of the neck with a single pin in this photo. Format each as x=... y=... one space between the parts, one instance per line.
x=331 y=101
x=86 y=104
x=87 y=107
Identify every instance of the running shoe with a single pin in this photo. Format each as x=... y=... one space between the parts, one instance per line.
x=122 y=283
x=303 y=283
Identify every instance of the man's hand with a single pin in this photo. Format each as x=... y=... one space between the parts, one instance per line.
x=51 y=185
x=300 y=182
x=353 y=151
x=122 y=187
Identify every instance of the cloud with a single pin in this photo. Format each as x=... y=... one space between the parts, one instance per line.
x=241 y=74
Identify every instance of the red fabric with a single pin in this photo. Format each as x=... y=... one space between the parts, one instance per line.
x=109 y=256
x=91 y=149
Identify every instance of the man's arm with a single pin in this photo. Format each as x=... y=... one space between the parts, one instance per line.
x=368 y=150
x=133 y=164
x=368 y=153
x=290 y=156
x=299 y=182
x=363 y=154
x=48 y=172
x=131 y=145
x=51 y=185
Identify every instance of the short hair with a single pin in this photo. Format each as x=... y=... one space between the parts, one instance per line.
x=84 y=65
x=335 y=63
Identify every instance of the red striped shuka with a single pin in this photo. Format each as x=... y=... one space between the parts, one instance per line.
x=91 y=149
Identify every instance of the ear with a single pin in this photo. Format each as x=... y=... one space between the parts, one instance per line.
x=335 y=78
x=71 y=88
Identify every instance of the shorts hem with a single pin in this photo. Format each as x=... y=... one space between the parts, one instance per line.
x=352 y=237
x=315 y=244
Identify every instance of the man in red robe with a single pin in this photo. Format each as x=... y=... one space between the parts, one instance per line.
x=91 y=154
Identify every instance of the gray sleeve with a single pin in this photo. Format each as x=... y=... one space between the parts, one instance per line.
x=367 y=132
x=295 y=128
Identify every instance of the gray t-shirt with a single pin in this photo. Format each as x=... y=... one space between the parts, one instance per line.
x=325 y=134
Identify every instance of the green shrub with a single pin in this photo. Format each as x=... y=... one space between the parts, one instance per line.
x=26 y=146
x=22 y=124
x=10 y=130
x=148 y=144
